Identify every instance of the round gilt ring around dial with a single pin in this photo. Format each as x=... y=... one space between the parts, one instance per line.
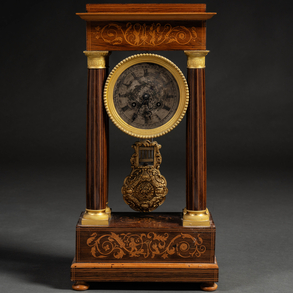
x=109 y=101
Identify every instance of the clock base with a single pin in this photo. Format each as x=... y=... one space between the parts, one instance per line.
x=205 y=274
x=148 y=247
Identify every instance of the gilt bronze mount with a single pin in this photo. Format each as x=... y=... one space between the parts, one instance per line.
x=145 y=188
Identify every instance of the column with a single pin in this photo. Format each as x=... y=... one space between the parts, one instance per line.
x=97 y=145
x=196 y=212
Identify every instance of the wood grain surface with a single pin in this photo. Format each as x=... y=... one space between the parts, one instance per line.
x=143 y=12
x=139 y=35
x=145 y=238
x=149 y=8
x=196 y=162
x=146 y=26
x=97 y=154
x=145 y=273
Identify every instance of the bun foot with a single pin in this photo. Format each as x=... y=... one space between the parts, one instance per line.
x=208 y=286
x=80 y=286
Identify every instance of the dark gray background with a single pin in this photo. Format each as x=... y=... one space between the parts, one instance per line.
x=249 y=145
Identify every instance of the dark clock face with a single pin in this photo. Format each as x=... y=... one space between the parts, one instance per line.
x=146 y=95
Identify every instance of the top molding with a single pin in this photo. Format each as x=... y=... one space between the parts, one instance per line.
x=165 y=27
x=146 y=12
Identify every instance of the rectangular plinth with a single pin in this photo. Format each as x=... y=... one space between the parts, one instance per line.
x=144 y=272
x=149 y=247
x=145 y=238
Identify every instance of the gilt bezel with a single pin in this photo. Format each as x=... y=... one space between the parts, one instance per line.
x=109 y=101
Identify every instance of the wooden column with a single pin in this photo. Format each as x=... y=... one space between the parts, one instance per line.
x=97 y=147
x=196 y=213
x=196 y=141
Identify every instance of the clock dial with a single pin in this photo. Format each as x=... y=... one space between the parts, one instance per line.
x=146 y=95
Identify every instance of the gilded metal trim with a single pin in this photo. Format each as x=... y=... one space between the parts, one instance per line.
x=196 y=59
x=109 y=102
x=145 y=188
x=96 y=59
x=196 y=218
x=97 y=217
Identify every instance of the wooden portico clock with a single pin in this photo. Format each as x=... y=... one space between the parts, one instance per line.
x=146 y=96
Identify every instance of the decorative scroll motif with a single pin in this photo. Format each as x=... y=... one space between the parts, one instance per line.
x=151 y=245
x=136 y=34
x=145 y=188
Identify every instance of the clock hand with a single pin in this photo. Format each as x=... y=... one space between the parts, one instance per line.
x=158 y=117
x=134 y=116
x=147 y=113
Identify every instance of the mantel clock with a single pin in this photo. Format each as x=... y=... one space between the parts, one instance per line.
x=146 y=96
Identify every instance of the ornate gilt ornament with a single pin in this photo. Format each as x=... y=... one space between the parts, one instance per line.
x=145 y=188
x=97 y=217
x=147 y=246
x=196 y=58
x=146 y=95
x=196 y=218
x=141 y=34
x=96 y=59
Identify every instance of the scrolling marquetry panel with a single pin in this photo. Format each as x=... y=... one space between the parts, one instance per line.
x=154 y=238
x=146 y=245
x=146 y=36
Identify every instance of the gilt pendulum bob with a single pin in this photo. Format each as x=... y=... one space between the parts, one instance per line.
x=146 y=96
x=145 y=188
